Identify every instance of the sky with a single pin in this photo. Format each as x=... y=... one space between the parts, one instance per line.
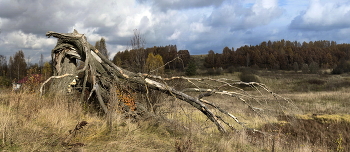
x=194 y=25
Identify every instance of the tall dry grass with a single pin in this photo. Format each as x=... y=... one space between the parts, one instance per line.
x=32 y=123
x=324 y=102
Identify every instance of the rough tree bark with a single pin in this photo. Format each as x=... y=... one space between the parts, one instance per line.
x=99 y=75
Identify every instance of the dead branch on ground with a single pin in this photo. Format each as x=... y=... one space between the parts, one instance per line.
x=99 y=74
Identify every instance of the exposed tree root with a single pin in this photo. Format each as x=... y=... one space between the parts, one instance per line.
x=99 y=75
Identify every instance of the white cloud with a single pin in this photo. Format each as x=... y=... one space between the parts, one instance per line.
x=196 y=25
x=199 y=27
x=323 y=15
x=26 y=41
x=175 y=35
x=263 y=12
x=239 y=15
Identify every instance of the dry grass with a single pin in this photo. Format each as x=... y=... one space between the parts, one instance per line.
x=324 y=102
x=35 y=123
x=31 y=123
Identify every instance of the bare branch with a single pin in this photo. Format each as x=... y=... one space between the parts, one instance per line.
x=52 y=77
x=100 y=74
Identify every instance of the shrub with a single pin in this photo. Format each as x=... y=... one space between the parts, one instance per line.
x=230 y=69
x=191 y=68
x=343 y=67
x=248 y=75
x=249 y=78
x=4 y=82
x=305 y=68
x=314 y=68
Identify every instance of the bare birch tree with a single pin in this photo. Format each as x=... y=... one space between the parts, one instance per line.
x=138 y=51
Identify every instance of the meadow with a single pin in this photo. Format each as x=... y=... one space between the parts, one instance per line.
x=316 y=119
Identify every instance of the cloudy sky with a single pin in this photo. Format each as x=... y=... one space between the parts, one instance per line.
x=195 y=25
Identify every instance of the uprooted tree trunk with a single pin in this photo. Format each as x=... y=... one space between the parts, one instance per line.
x=99 y=76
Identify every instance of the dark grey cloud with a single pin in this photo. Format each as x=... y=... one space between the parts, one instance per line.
x=11 y=9
x=38 y=17
x=196 y=25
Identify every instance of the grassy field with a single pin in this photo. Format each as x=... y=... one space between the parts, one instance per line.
x=317 y=119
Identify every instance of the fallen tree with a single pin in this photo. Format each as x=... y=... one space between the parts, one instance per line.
x=98 y=78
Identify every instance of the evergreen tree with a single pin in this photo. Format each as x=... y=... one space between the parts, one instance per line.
x=209 y=61
x=18 y=66
x=3 y=65
x=314 y=68
x=117 y=61
x=97 y=45
x=226 y=57
x=101 y=46
x=295 y=67
x=191 y=68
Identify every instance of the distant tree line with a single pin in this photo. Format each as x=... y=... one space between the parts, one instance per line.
x=308 y=57
x=282 y=55
x=17 y=68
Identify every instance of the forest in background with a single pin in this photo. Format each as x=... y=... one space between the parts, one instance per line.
x=308 y=57
x=281 y=55
x=276 y=55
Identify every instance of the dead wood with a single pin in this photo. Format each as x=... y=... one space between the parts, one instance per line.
x=99 y=75
x=73 y=133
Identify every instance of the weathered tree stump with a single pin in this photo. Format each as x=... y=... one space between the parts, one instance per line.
x=99 y=77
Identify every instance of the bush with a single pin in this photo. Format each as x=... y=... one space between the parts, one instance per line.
x=248 y=76
x=314 y=68
x=343 y=67
x=191 y=68
x=295 y=67
x=230 y=69
x=4 y=82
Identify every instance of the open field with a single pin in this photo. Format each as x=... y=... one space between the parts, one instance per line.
x=318 y=119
